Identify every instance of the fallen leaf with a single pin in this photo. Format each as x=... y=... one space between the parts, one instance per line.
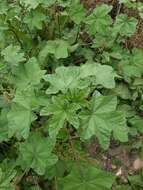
x=138 y=164
x=119 y=172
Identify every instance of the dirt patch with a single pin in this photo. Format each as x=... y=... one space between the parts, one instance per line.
x=91 y=4
x=137 y=39
x=119 y=159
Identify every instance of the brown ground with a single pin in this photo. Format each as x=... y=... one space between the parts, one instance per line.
x=90 y=4
x=137 y=39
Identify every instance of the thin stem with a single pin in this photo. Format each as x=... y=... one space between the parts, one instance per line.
x=35 y=182
x=72 y=146
x=56 y=185
x=12 y=29
x=59 y=26
x=77 y=36
x=19 y=178
x=57 y=19
x=119 y=8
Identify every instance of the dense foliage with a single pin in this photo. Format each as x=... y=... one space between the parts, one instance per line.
x=68 y=77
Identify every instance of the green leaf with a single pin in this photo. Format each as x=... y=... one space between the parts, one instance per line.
x=7 y=174
x=35 y=187
x=58 y=170
x=64 y=78
x=35 y=19
x=133 y=66
x=3 y=7
x=104 y=40
x=131 y=71
x=55 y=124
x=124 y=187
x=12 y=55
x=99 y=19
x=59 y=48
x=28 y=74
x=136 y=58
x=136 y=122
x=101 y=119
x=122 y=91
x=48 y=3
x=129 y=3
x=104 y=74
x=19 y=121
x=73 y=77
x=36 y=153
x=20 y=115
x=127 y=109
x=124 y=25
x=87 y=177
x=124 y=1
x=136 y=181
x=32 y=4
x=26 y=98
x=77 y=11
x=62 y=110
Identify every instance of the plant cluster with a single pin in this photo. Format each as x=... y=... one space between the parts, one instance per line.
x=67 y=76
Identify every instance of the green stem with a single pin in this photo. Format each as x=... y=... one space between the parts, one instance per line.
x=56 y=184
x=59 y=27
x=13 y=30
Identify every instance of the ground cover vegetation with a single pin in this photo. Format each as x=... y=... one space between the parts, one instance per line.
x=71 y=95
